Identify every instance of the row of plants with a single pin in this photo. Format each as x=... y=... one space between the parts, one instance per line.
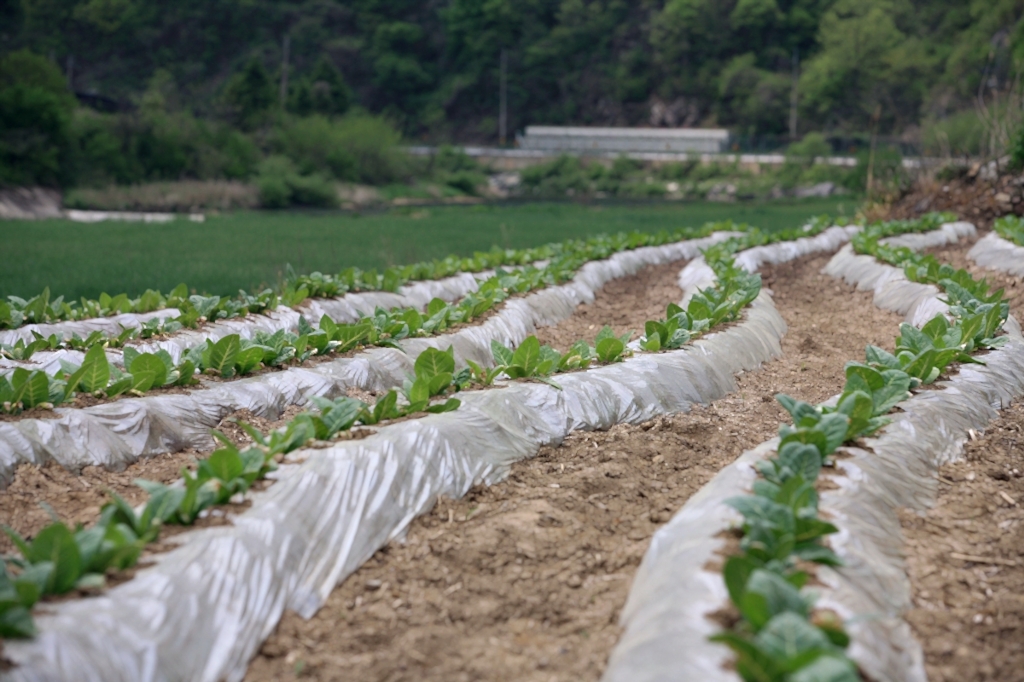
x=59 y=559
x=296 y=288
x=779 y=636
x=1010 y=228
x=193 y=309
x=234 y=356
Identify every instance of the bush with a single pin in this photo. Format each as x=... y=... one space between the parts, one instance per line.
x=556 y=177
x=804 y=152
x=35 y=122
x=355 y=148
x=962 y=134
x=281 y=185
x=35 y=140
x=465 y=181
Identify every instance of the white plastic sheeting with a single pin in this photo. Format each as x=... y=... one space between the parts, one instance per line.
x=698 y=274
x=201 y=612
x=347 y=308
x=995 y=253
x=665 y=637
x=665 y=618
x=917 y=302
x=116 y=433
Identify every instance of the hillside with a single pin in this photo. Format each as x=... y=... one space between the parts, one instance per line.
x=433 y=67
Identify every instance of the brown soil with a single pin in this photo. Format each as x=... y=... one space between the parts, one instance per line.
x=26 y=503
x=965 y=557
x=524 y=580
x=77 y=498
x=966 y=561
x=624 y=304
x=973 y=199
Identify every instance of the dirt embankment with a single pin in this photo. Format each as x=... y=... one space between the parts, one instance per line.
x=969 y=196
x=525 y=580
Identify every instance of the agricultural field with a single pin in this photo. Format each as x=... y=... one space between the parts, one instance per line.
x=537 y=442
x=252 y=250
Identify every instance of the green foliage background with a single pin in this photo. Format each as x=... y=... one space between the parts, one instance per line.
x=205 y=74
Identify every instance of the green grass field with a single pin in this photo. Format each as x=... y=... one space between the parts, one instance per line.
x=245 y=250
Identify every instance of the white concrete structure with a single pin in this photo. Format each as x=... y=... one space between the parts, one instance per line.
x=598 y=140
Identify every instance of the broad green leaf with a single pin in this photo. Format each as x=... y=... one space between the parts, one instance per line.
x=527 y=356
x=186 y=373
x=224 y=464
x=16 y=622
x=768 y=595
x=220 y=357
x=56 y=544
x=737 y=571
x=419 y=391
x=831 y=668
x=129 y=354
x=896 y=389
x=96 y=370
x=440 y=383
x=150 y=364
x=609 y=350
x=652 y=343
x=433 y=362
x=37 y=390
x=249 y=359
x=449 y=405
x=436 y=306
x=788 y=637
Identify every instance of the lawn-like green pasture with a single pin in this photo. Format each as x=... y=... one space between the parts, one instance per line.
x=245 y=250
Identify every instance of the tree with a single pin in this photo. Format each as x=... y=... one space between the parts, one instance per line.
x=250 y=94
x=35 y=116
x=328 y=93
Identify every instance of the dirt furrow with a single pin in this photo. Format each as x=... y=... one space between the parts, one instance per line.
x=524 y=580
x=965 y=556
x=36 y=493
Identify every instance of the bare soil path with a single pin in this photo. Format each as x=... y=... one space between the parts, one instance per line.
x=965 y=557
x=525 y=580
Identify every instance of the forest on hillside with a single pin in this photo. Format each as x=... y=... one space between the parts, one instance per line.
x=212 y=71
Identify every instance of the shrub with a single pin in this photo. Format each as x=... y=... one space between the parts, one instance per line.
x=804 y=152
x=355 y=148
x=281 y=185
x=35 y=122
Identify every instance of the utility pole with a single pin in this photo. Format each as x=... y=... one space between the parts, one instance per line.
x=503 y=97
x=794 y=97
x=284 y=70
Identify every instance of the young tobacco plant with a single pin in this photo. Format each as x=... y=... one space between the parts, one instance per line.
x=1010 y=228
x=780 y=517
